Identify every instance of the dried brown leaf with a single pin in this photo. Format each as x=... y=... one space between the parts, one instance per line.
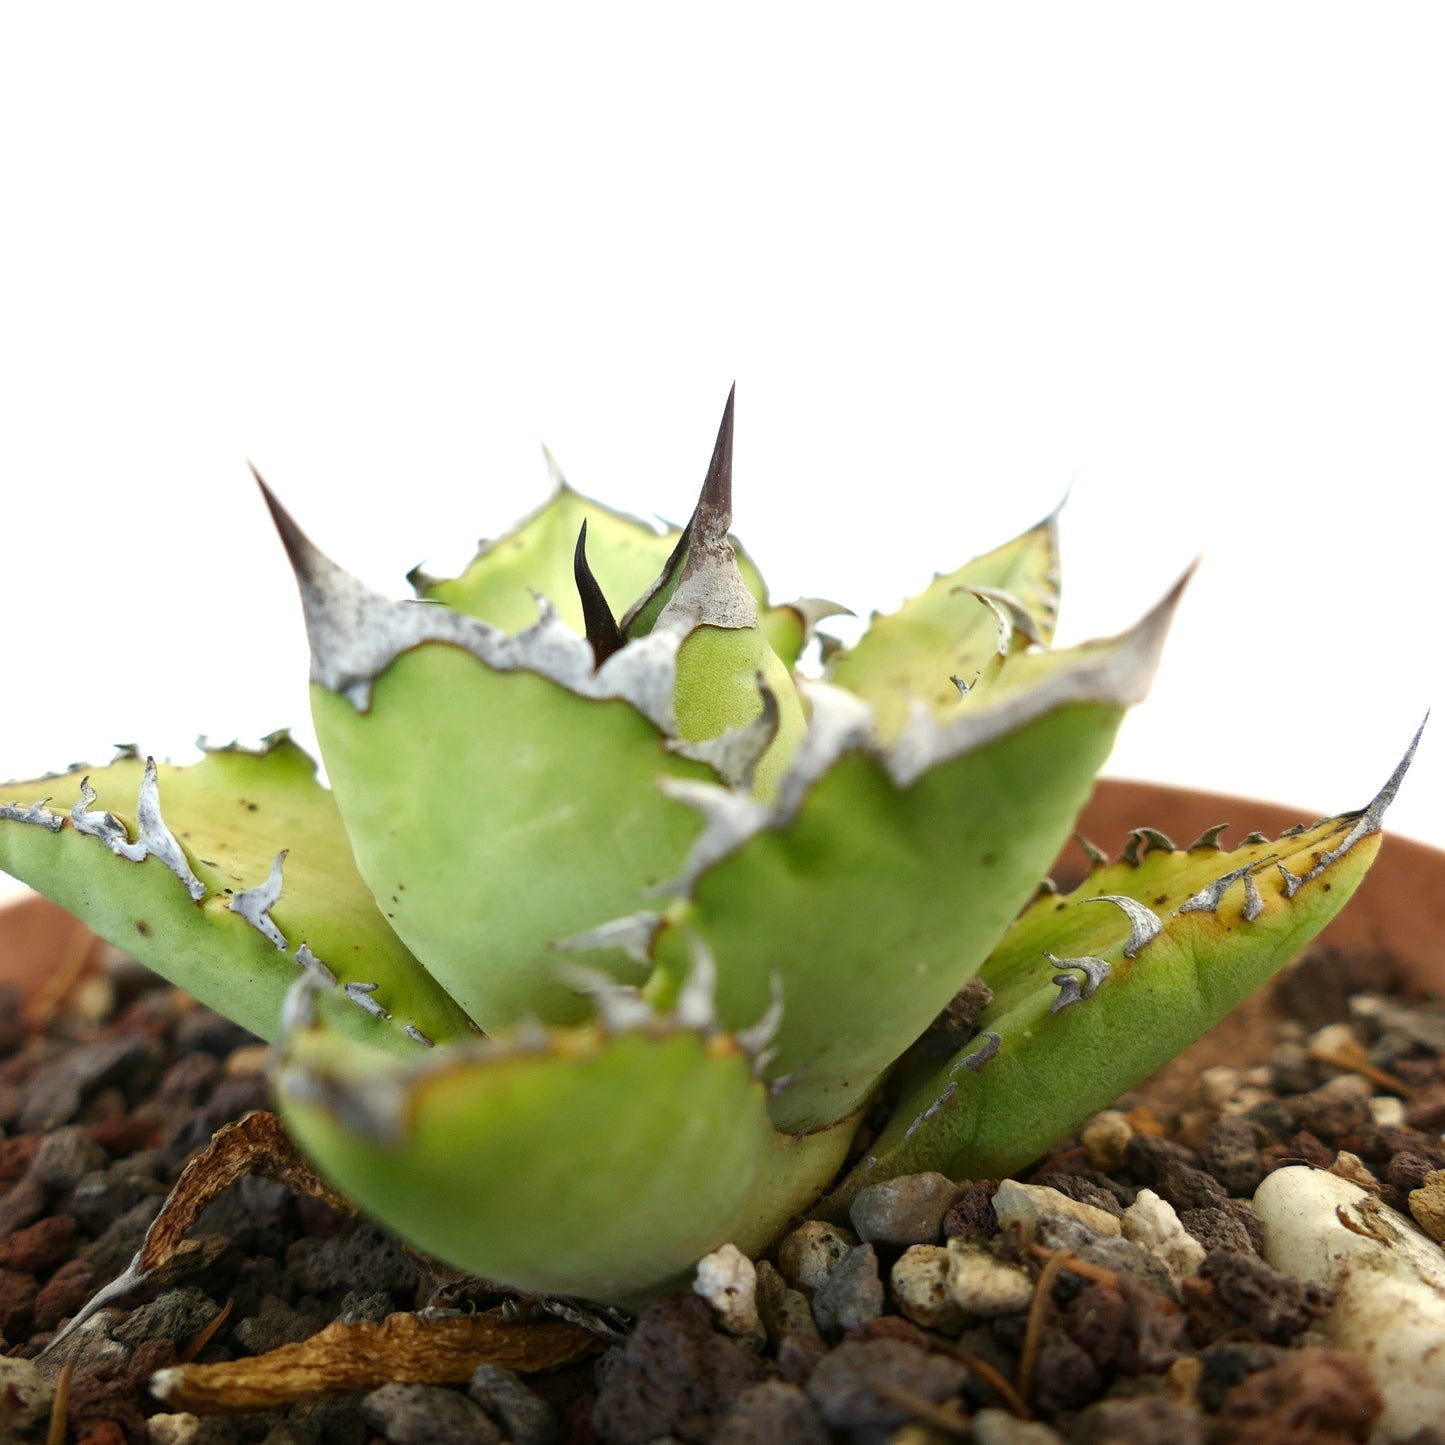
x=407 y=1348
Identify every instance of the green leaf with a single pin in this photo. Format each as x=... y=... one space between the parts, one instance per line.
x=585 y=1164
x=230 y=815
x=626 y=556
x=1226 y=923
x=876 y=894
x=947 y=632
x=495 y=814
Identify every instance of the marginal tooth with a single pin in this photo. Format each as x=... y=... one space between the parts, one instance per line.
x=314 y=966
x=1253 y=903
x=620 y=1007
x=157 y=839
x=361 y=995
x=1368 y=821
x=1069 y=992
x=1010 y=614
x=930 y=1111
x=959 y=683
x=356 y=634
x=1144 y=923
x=735 y=754
x=1095 y=971
x=34 y=813
x=297 y=1008
x=412 y=1032
x=729 y=818
x=978 y=1057
x=1295 y=831
x=1116 y=670
x=1096 y=856
x=696 y=999
x=1209 y=838
x=756 y=1038
x=1144 y=841
x=255 y=904
x=633 y=935
x=105 y=826
x=1254 y=839
x=376 y=1108
x=839 y=722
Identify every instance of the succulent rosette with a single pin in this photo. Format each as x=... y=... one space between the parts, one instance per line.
x=609 y=925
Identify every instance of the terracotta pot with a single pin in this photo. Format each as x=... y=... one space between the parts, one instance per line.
x=1398 y=911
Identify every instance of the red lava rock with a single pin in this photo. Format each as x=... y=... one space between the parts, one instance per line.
x=1427 y=1109
x=1309 y=1147
x=1066 y=1375
x=1273 y=1303
x=22 y=1204
x=972 y=1215
x=1208 y=1315
x=849 y=1384
x=105 y=1433
x=673 y=1375
x=125 y=1134
x=43 y=1244
x=68 y=1288
x=1230 y=1152
x=1311 y=1397
x=889 y=1327
x=16 y=1154
x=1156 y=1419
x=17 y=1294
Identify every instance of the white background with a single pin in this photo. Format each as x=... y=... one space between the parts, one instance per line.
x=957 y=257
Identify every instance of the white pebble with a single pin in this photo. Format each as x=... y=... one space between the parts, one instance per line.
x=1390 y=1277
x=1387 y=1112
x=728 y=1281
x=1151 y=1222
x=1025 y=1204
x=983 y=1286
x=919 y=1280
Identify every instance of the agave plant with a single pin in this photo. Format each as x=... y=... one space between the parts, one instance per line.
x=608 y=928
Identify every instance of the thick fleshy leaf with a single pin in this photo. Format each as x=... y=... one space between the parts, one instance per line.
x=875 y=894
x=588 y=1164
x=1094 y=991
x=626 y=556
x=497 y=814
x=952 y=634
x=200 y=908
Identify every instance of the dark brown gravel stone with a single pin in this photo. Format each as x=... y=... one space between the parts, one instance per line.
x=673 y=1376
x=1083 y=1190
x=1067 y=1375
x=1275 y=1304
x=848 y=1384
x=972 y=1216
x=525 y=1417
x=772 y=1411
x=1310 y=1397
x=1152 y=1419
x=1216 y=1228
x=1332 y=1110
x=428 y=1415
x=1231 y=1154
x=1224 y=1365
